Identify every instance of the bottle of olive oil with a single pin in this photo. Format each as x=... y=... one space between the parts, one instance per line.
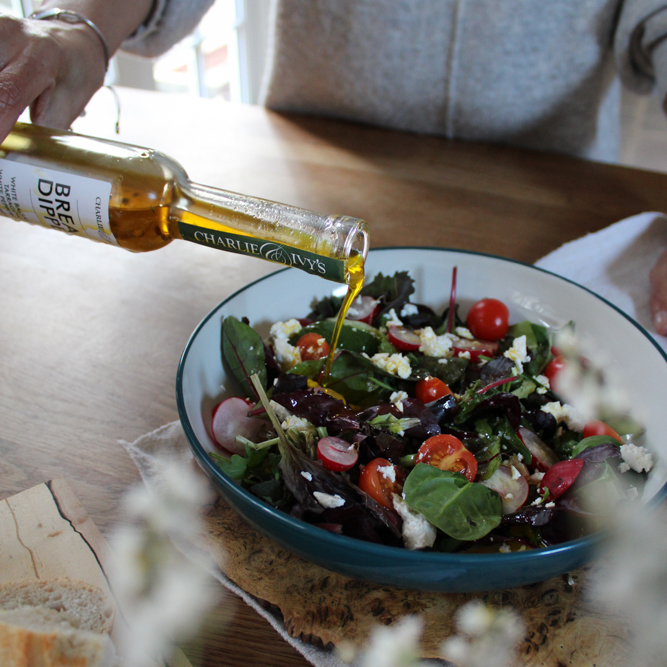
x=141 y=200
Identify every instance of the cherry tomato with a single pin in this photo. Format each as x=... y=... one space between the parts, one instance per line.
x=475 y=347
x=560 y=477
x=336 y=454
x=554 y=367
x=488 y=319
x=312 y=346
x=431 y=389
x=404 y=339
x=448 y=453
x=380 y=479
x=596 y=427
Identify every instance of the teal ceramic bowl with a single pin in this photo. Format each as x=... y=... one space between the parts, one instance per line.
x=530 y=293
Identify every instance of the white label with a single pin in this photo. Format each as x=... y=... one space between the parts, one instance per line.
x=73 y=204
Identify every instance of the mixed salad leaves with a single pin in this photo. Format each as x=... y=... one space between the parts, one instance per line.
x=430 y=432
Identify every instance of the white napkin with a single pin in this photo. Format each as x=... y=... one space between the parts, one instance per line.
x=613 y=262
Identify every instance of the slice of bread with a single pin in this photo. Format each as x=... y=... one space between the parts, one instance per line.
x=83 y=606
x=41 y=637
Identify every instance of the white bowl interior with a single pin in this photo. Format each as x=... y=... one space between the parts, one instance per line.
x=529 y=293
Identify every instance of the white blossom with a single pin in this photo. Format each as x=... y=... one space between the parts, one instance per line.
x=395 y=646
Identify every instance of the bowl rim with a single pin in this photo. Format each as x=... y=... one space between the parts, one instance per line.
x=412 y=557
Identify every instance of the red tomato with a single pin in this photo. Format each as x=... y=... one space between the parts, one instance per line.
x=336 y=454
x=476 y=348
x=596 y=427
x=488 y=319
x=404 y=339
x=554 y=367
x=312 y=346
x=448 y=453
x=380 y=479
x=431 y=389
x=560 y=477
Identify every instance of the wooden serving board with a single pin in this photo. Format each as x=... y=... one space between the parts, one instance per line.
x=46 y=533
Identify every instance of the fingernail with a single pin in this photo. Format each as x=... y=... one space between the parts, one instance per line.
x=660 y=321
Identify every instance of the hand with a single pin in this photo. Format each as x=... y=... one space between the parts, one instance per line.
x=658 y=302
x=50 y=66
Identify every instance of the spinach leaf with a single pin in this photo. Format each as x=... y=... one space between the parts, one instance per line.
x=593 y=441
x=449 y=370
x=243 y=354
x=461 y=509
x=538 y=342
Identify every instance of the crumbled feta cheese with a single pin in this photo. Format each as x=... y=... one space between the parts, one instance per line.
x=280 y=411
x=509 y=496
x=283 y=330
x=434 y=346
x=632 y=493
x=418 y=533
x=550 y=505
x=543 y=384
x=505 y=548
x=520 y=457
x=286 y=355
x=515 y=473
x=537 y=501
x=396 y=364
x=393 y=320
x=388 y=472
x=306 y=475
x=464 y=355
x=327 y=500
x=297 y=423
x=565 y=413
x=397 y=398
x=462 y=332
x=518 y=354
x=536 y=478
x=409 y=309
x=636 y=458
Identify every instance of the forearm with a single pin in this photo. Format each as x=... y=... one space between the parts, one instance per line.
x=116 y=20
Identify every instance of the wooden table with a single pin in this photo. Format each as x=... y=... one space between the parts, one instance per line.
x=90 y=336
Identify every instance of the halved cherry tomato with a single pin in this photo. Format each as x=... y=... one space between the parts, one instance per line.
x=337 y=454
x=431 y=389
x=475 y=347
x=363 y=309
x=554 y=367
x=380 y=479
x=312 y=346
x=596 y=427
x=403 y=339
x=488 y=319
x=560 y=477
x=448 y=453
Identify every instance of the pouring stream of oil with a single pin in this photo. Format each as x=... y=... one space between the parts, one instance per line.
x=354 y=277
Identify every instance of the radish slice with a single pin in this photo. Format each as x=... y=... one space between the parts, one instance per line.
x=543 y=456
x=404 y=339
x=512 y=488
x=475 y=347
x=336 y=454
x=362 y=309
x=230 y=418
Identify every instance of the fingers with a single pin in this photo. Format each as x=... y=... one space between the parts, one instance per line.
x=658 y=302
x=50 y=66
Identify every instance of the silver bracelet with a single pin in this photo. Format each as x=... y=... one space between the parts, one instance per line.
x=69 y=16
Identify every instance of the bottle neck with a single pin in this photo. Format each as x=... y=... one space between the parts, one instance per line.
x=319 y=244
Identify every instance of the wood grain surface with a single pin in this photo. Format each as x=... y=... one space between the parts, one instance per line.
x=90 y=336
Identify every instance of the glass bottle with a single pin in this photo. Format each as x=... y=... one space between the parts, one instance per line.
x=141 y=200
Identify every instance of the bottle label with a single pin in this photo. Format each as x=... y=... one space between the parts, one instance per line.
x=55 y=199
x=325 y=267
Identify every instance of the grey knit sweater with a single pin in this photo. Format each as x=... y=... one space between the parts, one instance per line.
x=533 y=73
